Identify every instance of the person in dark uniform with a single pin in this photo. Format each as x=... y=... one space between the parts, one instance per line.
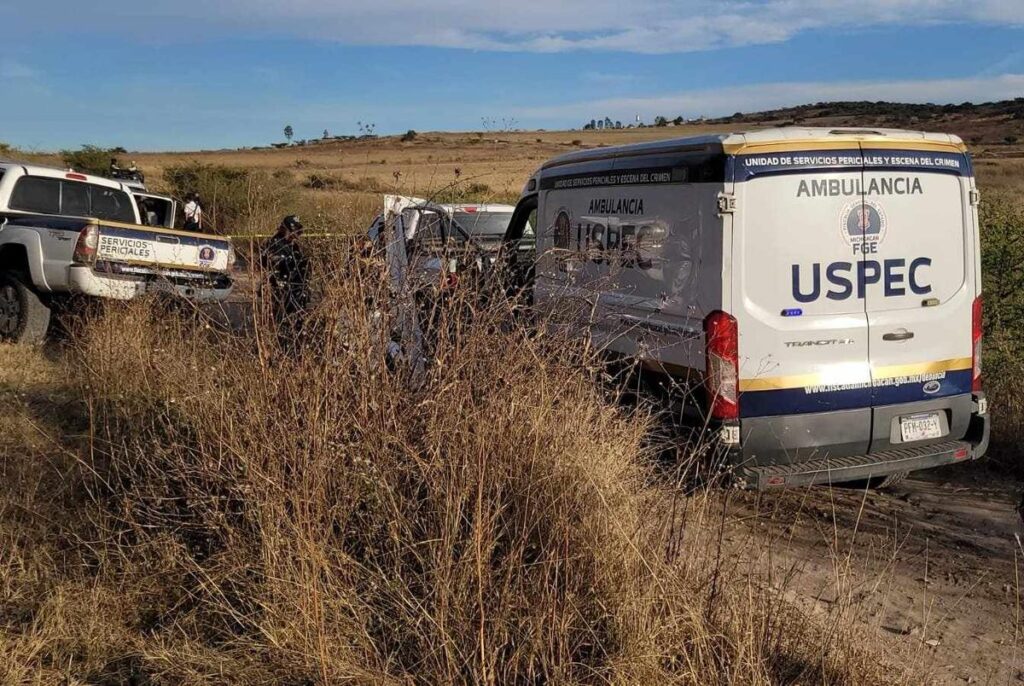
x=287 y=269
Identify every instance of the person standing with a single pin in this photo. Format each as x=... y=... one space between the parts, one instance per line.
x=287 y=269
x=135 y=173
x=193 y=213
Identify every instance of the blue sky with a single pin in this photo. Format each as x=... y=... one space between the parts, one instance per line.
x=185 y=74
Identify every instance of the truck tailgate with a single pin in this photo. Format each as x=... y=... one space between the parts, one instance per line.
x=161 y=248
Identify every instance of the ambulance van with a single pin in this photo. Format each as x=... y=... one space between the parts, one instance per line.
x=817 y=291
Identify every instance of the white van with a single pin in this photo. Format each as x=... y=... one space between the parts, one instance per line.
x=818 y=292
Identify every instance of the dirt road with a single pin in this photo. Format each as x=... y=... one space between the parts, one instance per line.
x=932 y=570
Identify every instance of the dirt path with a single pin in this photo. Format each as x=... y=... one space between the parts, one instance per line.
x=929 y=570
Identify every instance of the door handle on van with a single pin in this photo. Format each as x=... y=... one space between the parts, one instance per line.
x=898 y=336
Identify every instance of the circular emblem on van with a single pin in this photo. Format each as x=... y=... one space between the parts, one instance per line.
x=932 y=387
x=206 y=255
x=863 y=224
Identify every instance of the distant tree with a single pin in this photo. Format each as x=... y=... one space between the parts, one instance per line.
x=409 y=136
x=660 y=121
x=593 y=123
x=678 y=120
x=289 y=132
x=618 y=124
x=326 y=134
x=607 y=123
x=588 y=126
x=90 y=159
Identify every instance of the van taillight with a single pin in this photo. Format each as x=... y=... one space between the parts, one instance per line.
x=721 y=336
x=85 y=248
x=976 y=344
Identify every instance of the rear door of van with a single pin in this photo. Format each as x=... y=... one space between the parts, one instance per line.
x=919 y=219
x=805 y=365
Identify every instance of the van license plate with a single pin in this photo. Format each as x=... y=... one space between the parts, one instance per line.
x=918 y=427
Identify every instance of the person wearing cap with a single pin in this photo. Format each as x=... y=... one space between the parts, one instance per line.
x=287 y=269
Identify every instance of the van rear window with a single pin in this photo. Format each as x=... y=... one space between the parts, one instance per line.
x=483 y=223
x=71 y=198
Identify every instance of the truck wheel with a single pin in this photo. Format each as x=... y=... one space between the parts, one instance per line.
x=888 y=481
x=24 y=318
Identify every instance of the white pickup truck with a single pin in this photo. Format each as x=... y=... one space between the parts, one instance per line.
x=63 y=233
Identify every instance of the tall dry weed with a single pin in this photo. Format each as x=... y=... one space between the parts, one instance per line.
x=309 y=513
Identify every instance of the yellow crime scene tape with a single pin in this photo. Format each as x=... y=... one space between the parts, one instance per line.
x=319 y=234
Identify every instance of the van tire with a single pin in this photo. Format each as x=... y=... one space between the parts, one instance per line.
x=24 y=317
x=889 y=481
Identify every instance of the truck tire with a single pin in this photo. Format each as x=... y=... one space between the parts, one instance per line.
x=24 y=317
x=888 y=481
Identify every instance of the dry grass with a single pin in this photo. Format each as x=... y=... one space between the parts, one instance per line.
x=444 y=165
x=484 y=167
x=229 y=512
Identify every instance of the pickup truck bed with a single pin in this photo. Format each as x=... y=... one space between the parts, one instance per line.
x=64 y=233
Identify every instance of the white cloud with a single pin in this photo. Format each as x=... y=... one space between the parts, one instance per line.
x=724 y=101
x=11 y=70
x=640 y=26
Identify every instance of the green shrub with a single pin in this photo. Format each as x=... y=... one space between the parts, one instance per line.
x=1002 y=263
x=235 y=201
x=90 y=159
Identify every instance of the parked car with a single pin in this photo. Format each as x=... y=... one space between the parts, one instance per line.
x=63 y=233
x=816 y=293
x=445 y=239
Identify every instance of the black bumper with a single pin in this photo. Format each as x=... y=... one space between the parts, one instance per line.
x=833 y=464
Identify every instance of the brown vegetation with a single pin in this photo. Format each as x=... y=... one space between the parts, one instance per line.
x=230 y=512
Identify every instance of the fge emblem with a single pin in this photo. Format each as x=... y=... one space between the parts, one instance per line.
x=863 y=226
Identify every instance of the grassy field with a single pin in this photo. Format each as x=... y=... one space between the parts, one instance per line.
x=464 y=166
x=336 y=185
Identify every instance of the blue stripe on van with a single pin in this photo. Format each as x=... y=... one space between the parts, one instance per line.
x=747 y=167
x=800 y=401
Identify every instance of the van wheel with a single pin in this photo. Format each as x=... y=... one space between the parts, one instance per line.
x=24 y=318
x=888 y=481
